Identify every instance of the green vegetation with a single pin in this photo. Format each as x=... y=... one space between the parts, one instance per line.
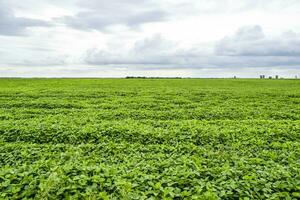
x=149 y=139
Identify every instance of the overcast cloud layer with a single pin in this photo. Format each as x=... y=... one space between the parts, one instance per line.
x=196 y=38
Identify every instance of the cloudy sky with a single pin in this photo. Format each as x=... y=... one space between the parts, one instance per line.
x=117 y=38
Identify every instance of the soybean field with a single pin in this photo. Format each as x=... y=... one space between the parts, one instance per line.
x=149 y=139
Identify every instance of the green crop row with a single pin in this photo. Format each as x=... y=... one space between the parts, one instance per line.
x=119 y=170
x=149 y=139
x=78 y=131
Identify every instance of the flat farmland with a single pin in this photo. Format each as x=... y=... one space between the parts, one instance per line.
x=149 y=139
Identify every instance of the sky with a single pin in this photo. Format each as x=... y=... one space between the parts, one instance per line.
x=118 y=38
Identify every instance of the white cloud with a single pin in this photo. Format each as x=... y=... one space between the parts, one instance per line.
x=149 y=36
x=153 y=50
x=100 y=14
x=11 y=25
x=248 y=47
x=251 y=41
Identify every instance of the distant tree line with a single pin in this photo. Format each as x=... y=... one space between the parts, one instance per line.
x=144 y=77
x=153 y=77
x=270 y=77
